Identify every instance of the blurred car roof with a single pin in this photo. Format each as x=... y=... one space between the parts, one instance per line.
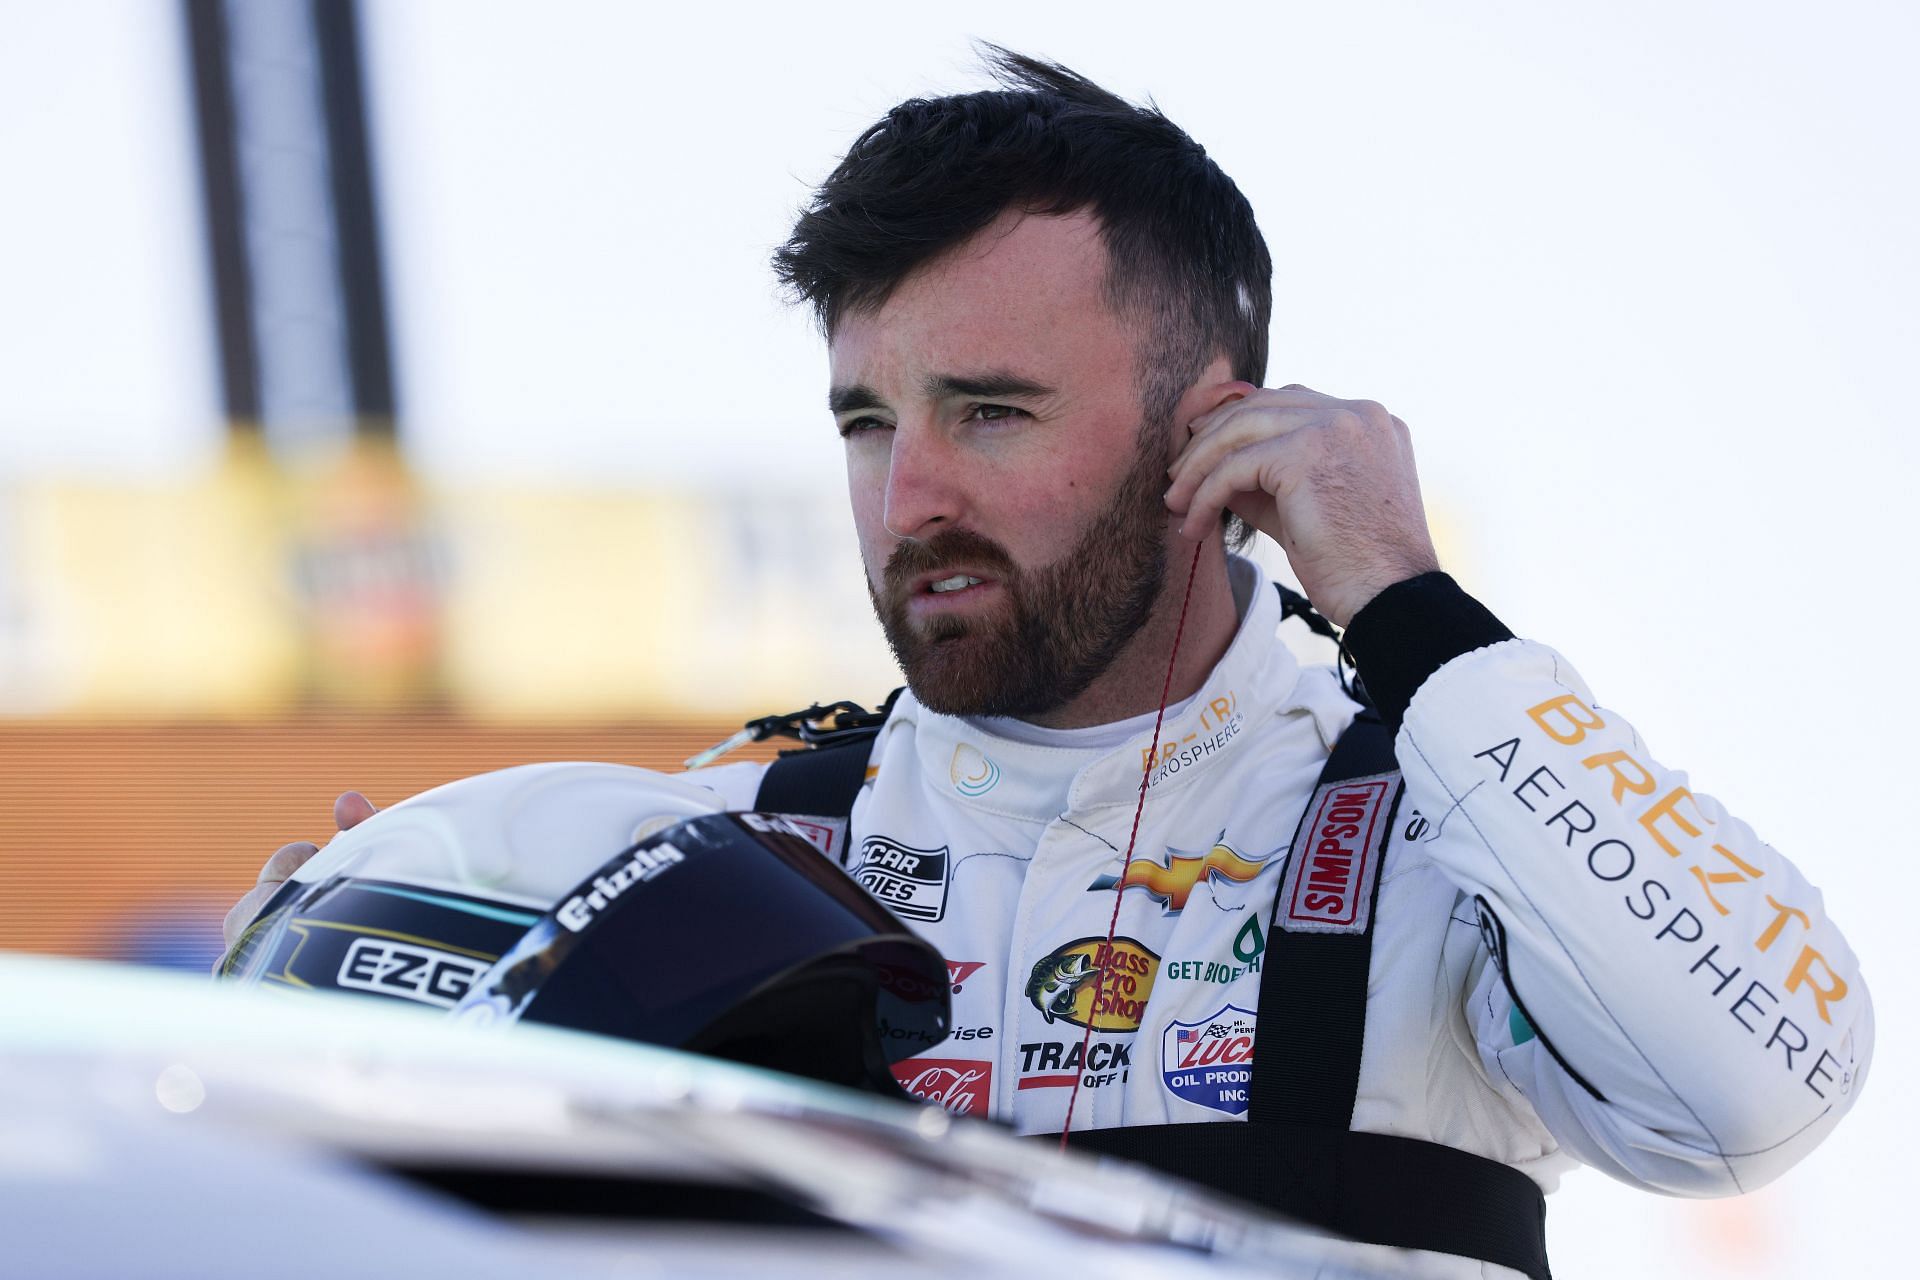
x=155 y=1124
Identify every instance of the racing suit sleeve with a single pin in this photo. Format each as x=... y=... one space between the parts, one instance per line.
x=735 y=784
x=1666 y=990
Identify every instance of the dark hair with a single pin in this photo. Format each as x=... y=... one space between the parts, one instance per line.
x=1184 y=253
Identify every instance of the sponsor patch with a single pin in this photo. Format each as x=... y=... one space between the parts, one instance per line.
x=958 y=971
x=911 y=882
x=411 y=972
x=1056 y=1064
x=926 y=1036
x=637 y=867
x=1330 y=874
x=828 y=835
x=1210 y=1062
x=1171 y=883
x=972 y=771
x=964 y=1086
x=1063 y=985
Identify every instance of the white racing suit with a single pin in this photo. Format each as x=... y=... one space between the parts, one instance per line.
x=1688 y=1019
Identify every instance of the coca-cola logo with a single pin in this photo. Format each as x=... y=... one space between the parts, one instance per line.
x=964 y=1086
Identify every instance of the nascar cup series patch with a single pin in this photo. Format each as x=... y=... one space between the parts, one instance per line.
x=1210 y=1062
x=1336 y=857
x=911 y=882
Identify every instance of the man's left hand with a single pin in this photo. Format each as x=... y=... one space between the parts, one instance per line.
x=1332 y=481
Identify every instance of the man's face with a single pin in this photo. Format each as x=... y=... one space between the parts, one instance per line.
x=1006 y=493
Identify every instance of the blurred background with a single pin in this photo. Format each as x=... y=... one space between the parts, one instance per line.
x=392 y=391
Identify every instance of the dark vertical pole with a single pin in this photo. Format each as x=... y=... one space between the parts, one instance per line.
x=225 y=222
x=356 y=223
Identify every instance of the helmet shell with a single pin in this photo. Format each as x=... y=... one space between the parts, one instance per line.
x=614 y=900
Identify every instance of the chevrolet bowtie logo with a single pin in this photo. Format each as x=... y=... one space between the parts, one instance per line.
x=1171 y=884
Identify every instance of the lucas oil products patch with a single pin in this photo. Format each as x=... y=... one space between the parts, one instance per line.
x=1210 y=1062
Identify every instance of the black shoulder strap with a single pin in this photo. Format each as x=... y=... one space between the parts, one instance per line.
x=1313 y=975
x=821 y=778
x=819 y=782
x=1296 y=1152
x=1368 y=1186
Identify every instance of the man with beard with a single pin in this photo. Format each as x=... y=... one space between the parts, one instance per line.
x=1107 y=791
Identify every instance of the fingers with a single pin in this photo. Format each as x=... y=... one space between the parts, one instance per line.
x=286 y=860
x=242 y=913
x=1257 y=468
x=349 y=811
x=1225 y=431
x=352 y=809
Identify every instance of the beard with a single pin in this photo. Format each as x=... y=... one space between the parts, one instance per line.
x=1063 y=624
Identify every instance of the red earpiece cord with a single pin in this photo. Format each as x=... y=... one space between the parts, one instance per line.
x=1120 y=885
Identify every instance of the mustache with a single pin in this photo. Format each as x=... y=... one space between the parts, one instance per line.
x=915 y=556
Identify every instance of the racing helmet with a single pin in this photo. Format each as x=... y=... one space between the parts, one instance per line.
x=614 y=900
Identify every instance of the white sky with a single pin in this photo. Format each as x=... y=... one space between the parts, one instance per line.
x=1641 y=276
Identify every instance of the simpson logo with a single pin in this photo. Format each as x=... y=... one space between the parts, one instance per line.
x=1063 y=985
x=425 y=974
x=1171 y=884
x=591 y=898
x=1210 y=1062
x=912 y=882
x=1336 y=857
x=963 y=1086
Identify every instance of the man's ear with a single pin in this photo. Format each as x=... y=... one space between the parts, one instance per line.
x=1215 y=387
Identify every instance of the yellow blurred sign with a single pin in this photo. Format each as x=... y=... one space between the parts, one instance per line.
x=252 y=590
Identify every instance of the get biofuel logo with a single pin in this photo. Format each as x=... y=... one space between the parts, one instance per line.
x=1088 y=983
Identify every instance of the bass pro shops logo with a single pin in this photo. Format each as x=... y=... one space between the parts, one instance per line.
x=1210 y=1062
x=911 y=882
x=1088 y=983
x=1171 y=884
x=963 y=1086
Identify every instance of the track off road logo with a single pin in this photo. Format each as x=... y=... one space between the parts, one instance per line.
x=1170 y=885
x=1210 y=1061
x=1088 y=983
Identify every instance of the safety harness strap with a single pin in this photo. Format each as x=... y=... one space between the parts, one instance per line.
x=1370 y=1186
x=1296 y=1153
x=815 y=781
x=1313 y=975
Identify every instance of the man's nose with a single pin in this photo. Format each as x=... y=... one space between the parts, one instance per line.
x=923 y=493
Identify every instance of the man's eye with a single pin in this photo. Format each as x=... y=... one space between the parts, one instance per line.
x=857 y=426
x=995 y=412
